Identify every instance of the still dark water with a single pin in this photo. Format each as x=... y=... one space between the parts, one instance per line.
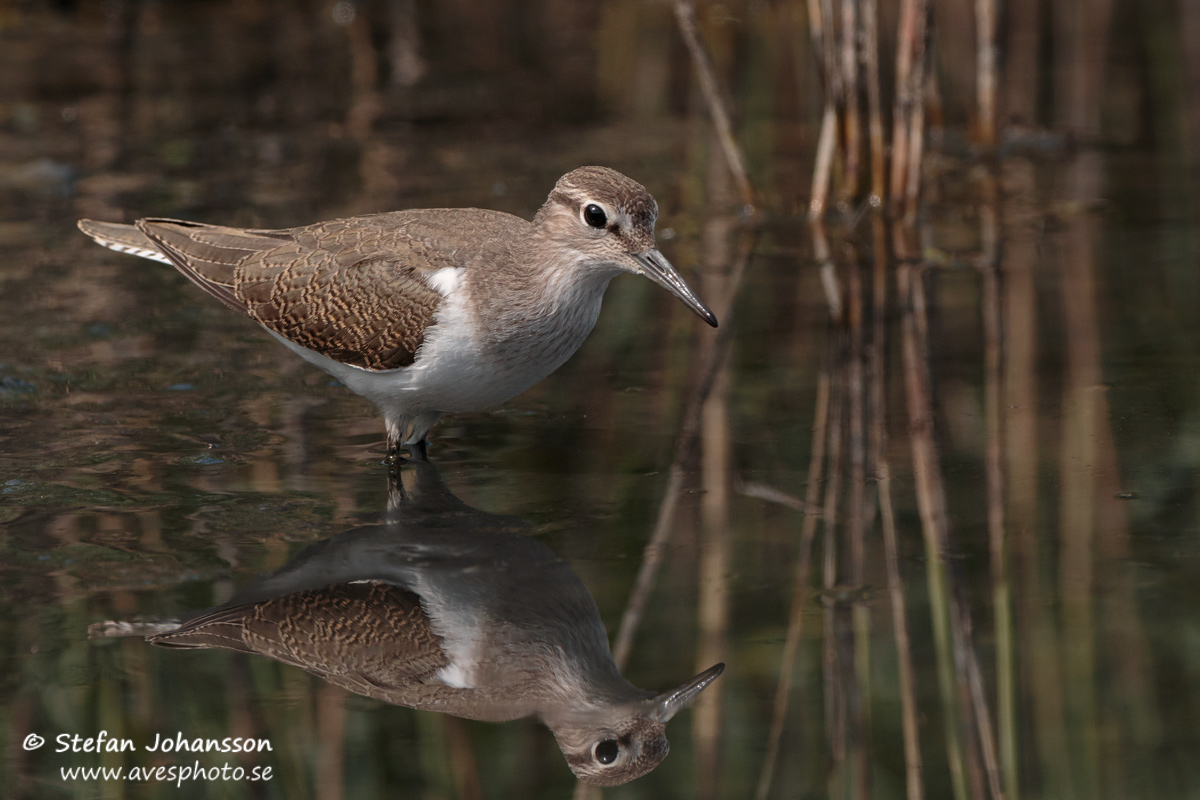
x=158 y=453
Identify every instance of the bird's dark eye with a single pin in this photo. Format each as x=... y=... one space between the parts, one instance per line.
x=606 y=752
x=594 y=215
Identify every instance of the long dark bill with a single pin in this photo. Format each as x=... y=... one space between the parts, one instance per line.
x=668 y=704
x=659 y=270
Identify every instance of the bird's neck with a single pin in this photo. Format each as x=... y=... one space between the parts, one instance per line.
x=553 y=291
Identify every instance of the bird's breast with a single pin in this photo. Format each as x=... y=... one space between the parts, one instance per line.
x=539 y=332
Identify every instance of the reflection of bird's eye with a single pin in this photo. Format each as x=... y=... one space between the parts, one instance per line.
x=594 y=215
x=606 y=752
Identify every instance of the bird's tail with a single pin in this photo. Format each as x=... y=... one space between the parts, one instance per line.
x=119 y=629
x=122 y=238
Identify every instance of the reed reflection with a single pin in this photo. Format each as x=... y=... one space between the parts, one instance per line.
x=442 y=607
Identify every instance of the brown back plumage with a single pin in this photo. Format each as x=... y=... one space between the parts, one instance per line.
x=353 y=290
x=370 y=638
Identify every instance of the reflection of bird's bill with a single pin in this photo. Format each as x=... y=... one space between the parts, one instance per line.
x=659 y=270
x=668 y=704
x=659 y=708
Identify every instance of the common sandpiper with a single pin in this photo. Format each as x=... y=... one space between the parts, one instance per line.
x=428 y=311
x=446 y=608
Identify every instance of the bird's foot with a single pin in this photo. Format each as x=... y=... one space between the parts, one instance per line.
x=392 y=460
x=418 y=451
x=394 y=457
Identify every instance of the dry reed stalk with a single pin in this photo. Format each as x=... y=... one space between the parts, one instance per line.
x=712 y=613
x=664 y=525
x=462 y=759
x=772 y=495
x=857 y=513
x=377 y=155
x=908 y=120
x=835 y=719
x=913 y=780
x=916 y=123
x=1037 y=612
x=931 y=505
x=799 y=589
x=971 y=702
x=997 y=536
x=829 y=281
x=685 y=14
x=860 y=711
x=979 y=707
x=1189 y=26
x=652 y=555
x=711 y=361
x=820 y=27
x=1019 y=453
x=816 y=33
x=823 y=170
x=833 y=69
x=585 y=791
x=870 y=27
x=331 y=760
x=985 y=71
x=851 y=124
x=905 y=99
x=1136 y=711
x=972 y=710
x=1021 y=53
x=1081 y=47
x=857 y=521
x=404 y=44
x=878 y=350
x=1082 y=405
x=1132 y=713
x=1080 y=50
x=713 y=564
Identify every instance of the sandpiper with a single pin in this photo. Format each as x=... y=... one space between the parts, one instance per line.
x=428 y=311
x=446 y=608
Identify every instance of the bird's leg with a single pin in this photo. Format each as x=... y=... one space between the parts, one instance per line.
x=400 y=437
x=418 y=437
x=394 y=444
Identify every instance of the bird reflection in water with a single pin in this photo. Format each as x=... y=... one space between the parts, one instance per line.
x=446 y=608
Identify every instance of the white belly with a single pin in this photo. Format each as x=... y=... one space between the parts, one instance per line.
x=461 y=367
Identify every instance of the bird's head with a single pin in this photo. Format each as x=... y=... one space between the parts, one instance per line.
x=614 y=746
x=608 y=219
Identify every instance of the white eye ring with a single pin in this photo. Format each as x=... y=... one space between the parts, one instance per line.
x=606 y=752
x=594 y=215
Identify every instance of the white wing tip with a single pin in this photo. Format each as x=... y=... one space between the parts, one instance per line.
x=143 y=252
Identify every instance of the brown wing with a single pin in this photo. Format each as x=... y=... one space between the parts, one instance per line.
x=371 y=638
x=353 y=290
